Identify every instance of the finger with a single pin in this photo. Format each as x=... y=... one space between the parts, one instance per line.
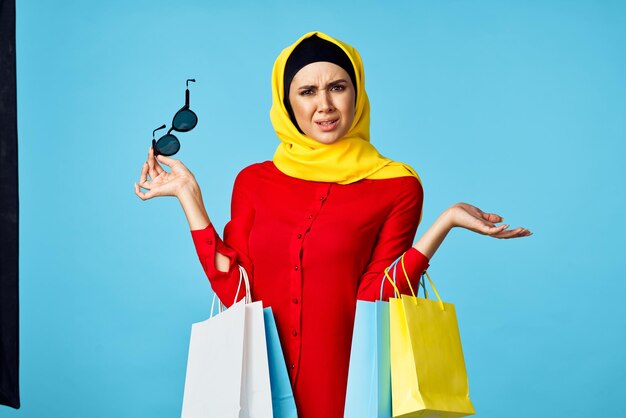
x=492 y=217
x=144 y=183
x=144 y=196
x=144 y=173
x=139 y=193
x=524 y=233
x=508 y=235
x=490 y=229
x=157 y=167
x=513 y=233
x=152 y=164
x=152 y=159
x=170 y=162
x=143 y=180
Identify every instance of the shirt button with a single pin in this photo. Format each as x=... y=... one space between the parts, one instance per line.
x=295 y=300
x=299 y=236
x=322 y=198
x=294 y=333
x=293 y=365
x=310 y=216
x=296 y=267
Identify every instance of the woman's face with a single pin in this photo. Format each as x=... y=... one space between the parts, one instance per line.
x=322 y=98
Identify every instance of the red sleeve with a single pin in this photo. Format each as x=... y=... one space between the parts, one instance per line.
x=395 y=238
x=234 y=246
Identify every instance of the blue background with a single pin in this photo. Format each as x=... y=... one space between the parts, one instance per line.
x=516 y=108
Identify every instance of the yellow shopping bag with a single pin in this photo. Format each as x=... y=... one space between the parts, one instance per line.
x=428 y=376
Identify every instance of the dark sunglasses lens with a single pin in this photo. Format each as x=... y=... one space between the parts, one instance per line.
x=184 y=120
x=168 y=145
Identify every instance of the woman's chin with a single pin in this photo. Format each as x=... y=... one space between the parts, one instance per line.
x=327 y=137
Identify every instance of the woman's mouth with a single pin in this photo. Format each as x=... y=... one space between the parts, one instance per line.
x=327 y=125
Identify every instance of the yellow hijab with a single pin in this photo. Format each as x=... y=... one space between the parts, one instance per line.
x=348 y=160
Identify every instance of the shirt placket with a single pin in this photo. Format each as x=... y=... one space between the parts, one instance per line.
x=297 y=274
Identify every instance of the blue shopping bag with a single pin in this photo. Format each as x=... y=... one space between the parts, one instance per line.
x=368 y=393
x=369 y=377
x=283 y=403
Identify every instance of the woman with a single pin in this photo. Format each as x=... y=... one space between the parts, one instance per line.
x=316 y=226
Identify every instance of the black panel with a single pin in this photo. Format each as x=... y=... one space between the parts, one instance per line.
x=9 y=296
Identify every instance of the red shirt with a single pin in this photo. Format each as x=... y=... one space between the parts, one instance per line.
x=311 y=250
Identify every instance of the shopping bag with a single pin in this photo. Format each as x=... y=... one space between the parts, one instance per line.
x=256 y=396
x=368 y=393
x=428 y=374
x=283 y=402
x=214 y=367
x=227 y=366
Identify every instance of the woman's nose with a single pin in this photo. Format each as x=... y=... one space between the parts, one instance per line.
x=325 y=103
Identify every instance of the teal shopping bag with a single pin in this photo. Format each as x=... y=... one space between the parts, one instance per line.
x=368 y=392
x=283 y=403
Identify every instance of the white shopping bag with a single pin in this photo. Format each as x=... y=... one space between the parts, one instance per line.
x=227 y=368
x=256 y=394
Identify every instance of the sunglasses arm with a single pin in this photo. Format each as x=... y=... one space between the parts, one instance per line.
x=154 y=148
x=187 y=91
x=160 y=127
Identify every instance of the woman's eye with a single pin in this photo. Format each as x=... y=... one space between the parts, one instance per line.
x=306 y=92
x=338 y=87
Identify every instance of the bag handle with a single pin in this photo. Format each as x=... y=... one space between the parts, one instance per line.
x=394 y=265
x=406 y=276
x=421 y=283
x=220 y=306
x=432 y=284
x=243 y=277
x=386 y=277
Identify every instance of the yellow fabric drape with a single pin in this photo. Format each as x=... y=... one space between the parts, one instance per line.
x=348 y=160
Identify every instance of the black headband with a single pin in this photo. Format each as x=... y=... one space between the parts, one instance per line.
x=313 y=49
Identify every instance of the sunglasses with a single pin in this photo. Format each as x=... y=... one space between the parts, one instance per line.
x=184 y=121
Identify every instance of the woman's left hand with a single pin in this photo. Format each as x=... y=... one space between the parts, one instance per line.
x=470 y=217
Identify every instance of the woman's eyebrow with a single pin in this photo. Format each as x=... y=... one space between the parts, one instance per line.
x=330 y=84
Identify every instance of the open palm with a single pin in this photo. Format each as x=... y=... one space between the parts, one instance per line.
x=474 y=219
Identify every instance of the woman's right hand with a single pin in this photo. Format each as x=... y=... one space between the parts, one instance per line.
x=161 y=182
